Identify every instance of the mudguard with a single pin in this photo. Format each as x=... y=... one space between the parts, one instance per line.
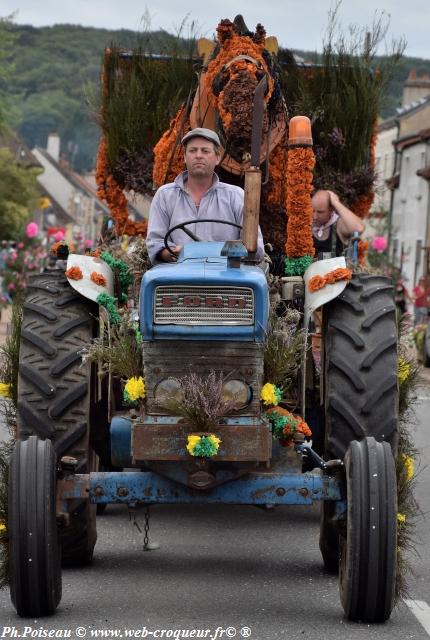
x=315 y=299
x=88 y=265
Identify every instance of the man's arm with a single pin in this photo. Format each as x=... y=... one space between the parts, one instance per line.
x=348 y=222
x=158 y=226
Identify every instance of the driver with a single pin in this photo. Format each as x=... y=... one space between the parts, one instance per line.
x=196 y=194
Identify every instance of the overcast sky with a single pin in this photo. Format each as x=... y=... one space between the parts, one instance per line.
x=298 y=24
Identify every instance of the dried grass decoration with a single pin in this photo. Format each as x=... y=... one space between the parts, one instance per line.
x=201 y=403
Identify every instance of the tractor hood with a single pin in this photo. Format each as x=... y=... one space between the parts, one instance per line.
x=201 y=297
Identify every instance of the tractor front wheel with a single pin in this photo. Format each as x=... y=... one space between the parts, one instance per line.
x=367 y=569
x=35 y=559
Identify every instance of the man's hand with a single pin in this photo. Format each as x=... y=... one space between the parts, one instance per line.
x=166 y=256
x=334 y=199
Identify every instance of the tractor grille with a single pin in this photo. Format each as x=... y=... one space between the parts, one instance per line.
x=204 y=305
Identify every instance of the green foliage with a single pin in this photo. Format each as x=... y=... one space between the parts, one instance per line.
x=9 y=351
x=5 y=453
x=18 y=195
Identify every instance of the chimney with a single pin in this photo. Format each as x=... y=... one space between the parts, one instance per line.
x=415 y=88
x=53 y=146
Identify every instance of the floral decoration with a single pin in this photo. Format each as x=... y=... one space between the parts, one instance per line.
x=319 y=282
x=74 y=273
x=301 y=163
x=270 y=395
x=98 y=278
x=168 y=152
x=401 y=518
x=379 y=243
x=362 y=251
x=204 y=446
x=110 y=304
x=285 y=424
x=5 y=390
x=134 y=390
x=31 y=230
x=403 y=370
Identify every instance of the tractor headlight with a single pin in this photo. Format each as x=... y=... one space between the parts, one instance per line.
x=238 y=391
x=168 y=389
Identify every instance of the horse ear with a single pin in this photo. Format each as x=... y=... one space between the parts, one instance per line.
x=271 y=45
x=240 y=25
x=205 y=48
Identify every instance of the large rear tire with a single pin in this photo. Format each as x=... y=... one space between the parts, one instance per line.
x=360 y=379
x=34 y=550
x=368 y=545
x=54 y=390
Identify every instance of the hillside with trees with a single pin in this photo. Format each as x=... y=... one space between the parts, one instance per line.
x=55 y=77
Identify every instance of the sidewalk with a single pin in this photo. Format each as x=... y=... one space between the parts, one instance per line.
x=4 y=323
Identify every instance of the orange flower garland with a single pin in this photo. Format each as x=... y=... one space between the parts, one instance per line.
x=301 y=162
x=362 y=206
x=110 y=191
x=319 y=282
x=278 y=165
x=98 y=278
x=161 y=172
x=362 y=252
x=74 y=273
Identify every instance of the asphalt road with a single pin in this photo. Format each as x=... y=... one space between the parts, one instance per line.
x=233 y=568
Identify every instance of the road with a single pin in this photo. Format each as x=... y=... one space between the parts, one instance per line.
x=224 y=567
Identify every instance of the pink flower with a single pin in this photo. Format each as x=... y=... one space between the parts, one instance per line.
x=31 y=230
x=59 y=236
x=88 y=244
x=11 y=286
x=379 y=243
x=20 y=245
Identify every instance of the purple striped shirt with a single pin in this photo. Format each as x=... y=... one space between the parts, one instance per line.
x=172 y=204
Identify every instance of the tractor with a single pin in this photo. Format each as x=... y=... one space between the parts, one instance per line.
x=209 y=313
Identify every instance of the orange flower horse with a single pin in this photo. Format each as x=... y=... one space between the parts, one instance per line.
x=224 y=102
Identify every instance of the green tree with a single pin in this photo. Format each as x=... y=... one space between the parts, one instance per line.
x=18 y=195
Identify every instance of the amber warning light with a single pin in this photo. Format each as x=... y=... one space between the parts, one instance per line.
x=300 y=131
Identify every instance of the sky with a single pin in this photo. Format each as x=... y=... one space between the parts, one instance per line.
x=298 y=24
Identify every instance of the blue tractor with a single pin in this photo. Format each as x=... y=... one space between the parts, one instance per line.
x=209 y=312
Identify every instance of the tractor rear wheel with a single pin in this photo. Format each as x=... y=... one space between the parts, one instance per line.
x=34 y=549
x=368 y=545
x=360 y=379
x=54 y=397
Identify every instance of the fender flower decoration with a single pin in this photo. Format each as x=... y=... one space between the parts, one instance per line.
x=204 y=446
x=74 y=273
x=98 y=278
x=319 y=282
x=270 y=395
x=134 y=390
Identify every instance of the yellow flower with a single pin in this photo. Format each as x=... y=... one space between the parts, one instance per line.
x=5 y=390
x=409 y=466
x=401 y=518
x=403 y=370
x=2 y=526
x=215 y=441
x=270 y=394
x=192 y=442
x=135 y=388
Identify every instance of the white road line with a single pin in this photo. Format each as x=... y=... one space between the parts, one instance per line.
x=421 y=611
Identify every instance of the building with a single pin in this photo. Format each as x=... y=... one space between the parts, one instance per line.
x=73 y=198
x=403 y=187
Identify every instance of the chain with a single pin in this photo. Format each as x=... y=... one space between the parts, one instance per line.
x=146 y=529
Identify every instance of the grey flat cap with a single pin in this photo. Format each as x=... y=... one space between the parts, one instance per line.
x=200 y=132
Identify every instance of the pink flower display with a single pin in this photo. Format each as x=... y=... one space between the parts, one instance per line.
x=379 y=243
x=31 y=230
x=88 y=244
x=59 y=236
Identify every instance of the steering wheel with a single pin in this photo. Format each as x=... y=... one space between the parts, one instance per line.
x=192 y=235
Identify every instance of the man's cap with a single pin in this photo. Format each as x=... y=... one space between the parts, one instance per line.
x=201 y=132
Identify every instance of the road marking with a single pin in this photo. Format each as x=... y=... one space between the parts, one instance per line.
x=421 y=611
